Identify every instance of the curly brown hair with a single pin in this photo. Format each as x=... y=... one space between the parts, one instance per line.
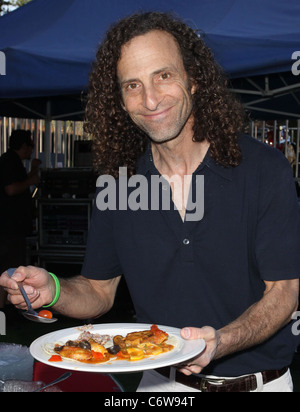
x=117 y=141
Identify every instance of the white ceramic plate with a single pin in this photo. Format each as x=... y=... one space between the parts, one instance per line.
x=184 y=349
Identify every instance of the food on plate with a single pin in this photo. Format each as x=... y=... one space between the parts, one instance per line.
x=95 y=348
x=138 y=345
x=153 y=336
x=55 y=358
x=82 y=350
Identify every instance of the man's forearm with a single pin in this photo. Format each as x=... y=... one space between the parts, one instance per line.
x=79 y=299
x=261 y=321
x=18 y=187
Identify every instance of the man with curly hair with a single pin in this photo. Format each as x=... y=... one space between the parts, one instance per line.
x=159 y=105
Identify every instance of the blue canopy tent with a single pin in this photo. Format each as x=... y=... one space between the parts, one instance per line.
x=48 y=46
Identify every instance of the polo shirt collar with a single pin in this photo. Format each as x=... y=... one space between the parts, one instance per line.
x=225 y=172
x=146 y=165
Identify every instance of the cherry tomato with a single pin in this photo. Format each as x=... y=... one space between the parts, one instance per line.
x=45 y=314
x=55 y=358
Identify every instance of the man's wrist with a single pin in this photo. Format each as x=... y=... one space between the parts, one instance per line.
x=55 y=291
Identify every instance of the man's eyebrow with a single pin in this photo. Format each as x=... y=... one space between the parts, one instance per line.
x=128 y=81
x=156 y=72
x=164 y=69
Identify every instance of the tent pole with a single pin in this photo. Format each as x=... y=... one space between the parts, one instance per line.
x=297 y=149
x=252 y=127
x=275 y=134
x=263 y=131
x=286 y=136
x=4 y=135
x=48 y=136
x=36 y=139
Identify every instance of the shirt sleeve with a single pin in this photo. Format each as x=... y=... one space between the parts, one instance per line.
x=278 y=224
x=101 y=260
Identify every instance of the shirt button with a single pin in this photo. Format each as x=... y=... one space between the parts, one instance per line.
x=186 y=242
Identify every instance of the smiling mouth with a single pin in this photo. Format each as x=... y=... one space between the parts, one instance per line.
x=157 y=116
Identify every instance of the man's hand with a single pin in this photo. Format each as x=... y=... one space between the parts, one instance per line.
x=80 y=297
x=37 y=283
x=35 y=164
x=211 y=338
x=33 y=175
x=256 y=325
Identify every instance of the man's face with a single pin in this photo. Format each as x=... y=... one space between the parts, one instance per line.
x=26 y=152
x=155 y=86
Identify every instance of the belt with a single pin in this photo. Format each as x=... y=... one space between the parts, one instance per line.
x=244 y=384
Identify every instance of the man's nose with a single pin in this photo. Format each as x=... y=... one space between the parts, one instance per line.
x=152 y=97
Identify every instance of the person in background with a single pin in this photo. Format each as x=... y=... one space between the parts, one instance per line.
x=16 y=201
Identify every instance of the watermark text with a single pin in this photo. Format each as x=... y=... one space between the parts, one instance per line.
x=296 y=325
x=158 y=193
x=296 y=65
x=2 y=64
x=2 y=324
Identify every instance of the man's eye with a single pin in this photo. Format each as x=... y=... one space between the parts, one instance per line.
x=165 y=76
x=132 y=86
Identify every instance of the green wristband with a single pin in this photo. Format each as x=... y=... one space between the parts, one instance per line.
x=57 y=293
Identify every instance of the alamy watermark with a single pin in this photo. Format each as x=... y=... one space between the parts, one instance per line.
x=296 y=65
x=2 y=64
x=137 y=193
x=2 y=324
x=296 y=325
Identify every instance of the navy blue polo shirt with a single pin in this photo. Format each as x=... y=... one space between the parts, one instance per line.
x=208 y=272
